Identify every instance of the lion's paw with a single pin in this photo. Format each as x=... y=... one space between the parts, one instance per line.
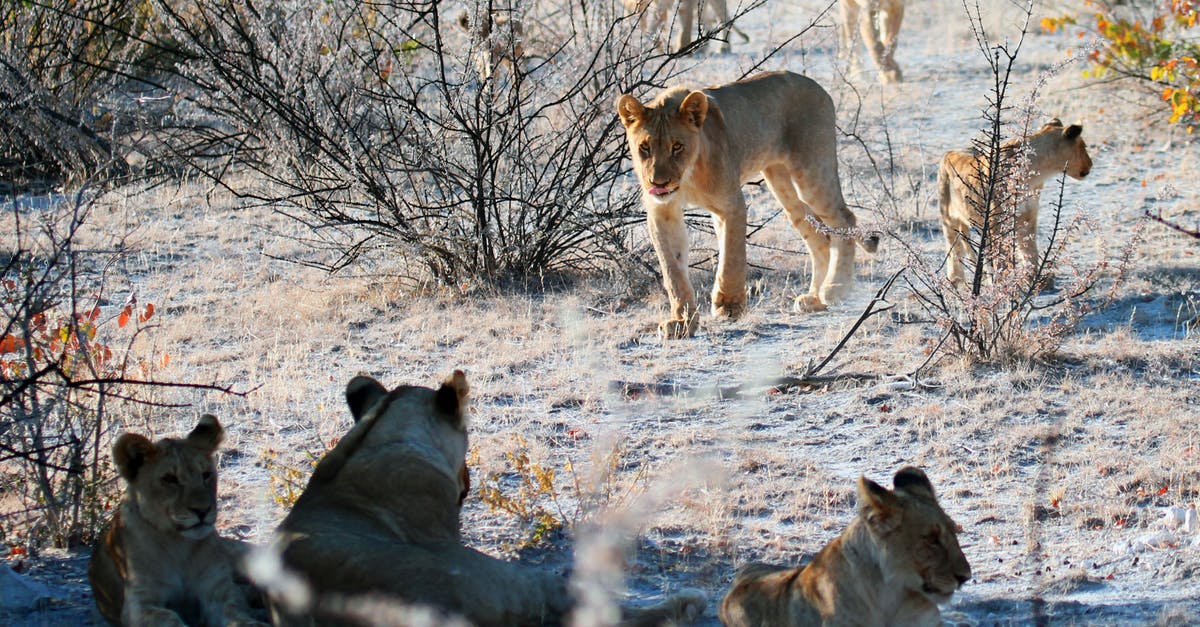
x=691 y=604
x=678 y=329
x=808 y=303
x=731 y=310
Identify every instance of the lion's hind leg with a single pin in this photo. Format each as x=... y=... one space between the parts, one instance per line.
x=779 y=181
x=683 y=607
x=821 y=189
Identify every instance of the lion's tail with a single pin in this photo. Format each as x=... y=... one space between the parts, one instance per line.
x=684 y=607
x=945 y=172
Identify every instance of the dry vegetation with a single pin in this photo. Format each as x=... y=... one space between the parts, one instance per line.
x=1057 y=466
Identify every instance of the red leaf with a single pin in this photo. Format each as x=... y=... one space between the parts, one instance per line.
x=146 y=313
x=11 y=344
x=123 y=319
x=1163 y=490
x=94 y=313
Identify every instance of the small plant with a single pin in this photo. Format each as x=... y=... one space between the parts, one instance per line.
x=535 y=499
x=1151 y=42
x=539 y=501
x=287 y=482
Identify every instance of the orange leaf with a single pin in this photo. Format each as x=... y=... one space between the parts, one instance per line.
x=11 y=344
x=166 y=359
x=123 y=319
x=146 y=313
x=1163 y=490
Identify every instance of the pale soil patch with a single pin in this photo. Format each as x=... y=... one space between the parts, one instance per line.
x=1054 y=470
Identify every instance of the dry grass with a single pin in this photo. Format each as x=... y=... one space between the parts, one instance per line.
x=1054 y=468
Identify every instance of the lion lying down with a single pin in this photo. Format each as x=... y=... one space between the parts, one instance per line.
x=159 y=561
x=380 y=519
x=893 y=565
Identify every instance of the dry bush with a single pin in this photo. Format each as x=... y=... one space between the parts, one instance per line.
x=62 y=63
x=73 y=367
x=372 y=124
x=1003 y=311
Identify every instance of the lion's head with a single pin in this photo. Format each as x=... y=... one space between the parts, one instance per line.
x=918 y=542
x=173 y=482
x=664 y=137
x=434 y=419
x=1064 y=147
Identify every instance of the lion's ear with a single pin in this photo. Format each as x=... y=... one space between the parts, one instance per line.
x=1054 y=122
x=879 y=507
x=207 y=434
x=464 y=20
x=694 y=109
x=131 y=453
x=452 y=396
x=1072 y=132
x=630 y=110
x=913 y=480
x=361 y=394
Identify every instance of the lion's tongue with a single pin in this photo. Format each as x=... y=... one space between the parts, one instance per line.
x=658 y=191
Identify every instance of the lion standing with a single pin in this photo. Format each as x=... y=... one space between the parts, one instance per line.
x=696 y=148
x=1026 y=162
x=878 y=21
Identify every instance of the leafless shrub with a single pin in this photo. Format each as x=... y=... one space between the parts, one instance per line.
x=69 y=367
x=371 y=124
x=61 y=62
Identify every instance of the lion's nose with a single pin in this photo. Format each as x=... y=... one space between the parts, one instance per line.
x=962 y=579
x=201 y=513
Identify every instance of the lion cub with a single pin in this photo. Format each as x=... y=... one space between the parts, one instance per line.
x=696 y=148
x=893 y=565
x=1031 y=161
x=159 y=561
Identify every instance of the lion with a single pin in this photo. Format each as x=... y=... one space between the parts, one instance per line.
x=500 y=35
x=896 y=561
x=879 y=23
x=159 y=561
x=1030 y=161
x=653 y=21
x=379 y=519
x=695 y=148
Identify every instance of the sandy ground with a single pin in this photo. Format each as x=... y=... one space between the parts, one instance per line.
x=1057 y=469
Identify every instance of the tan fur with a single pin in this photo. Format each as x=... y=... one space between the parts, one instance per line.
x=159 y=562
x=696 y=148
x=1032 y=161
x=500 y=38
x=895 y=562
x=878 y=21
x=380 y=517
x=655 y=14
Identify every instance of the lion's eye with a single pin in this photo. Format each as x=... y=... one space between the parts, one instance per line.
x=207 y=475
x=676 y=148
x=644 y=150
x=170 y=479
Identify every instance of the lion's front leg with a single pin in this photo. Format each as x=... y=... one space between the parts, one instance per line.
x=668 y=233
x=729 y=290
x=1027 y=242
x=145 y=607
